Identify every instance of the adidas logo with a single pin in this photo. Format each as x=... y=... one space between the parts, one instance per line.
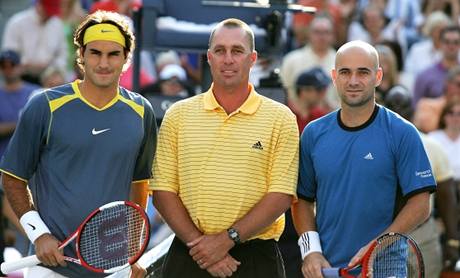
x=369 y=156
x=258 y=146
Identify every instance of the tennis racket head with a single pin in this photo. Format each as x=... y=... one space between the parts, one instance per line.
x=393 y=255
x=113 y=237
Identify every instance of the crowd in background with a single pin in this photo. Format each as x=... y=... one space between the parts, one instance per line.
x=418 y=42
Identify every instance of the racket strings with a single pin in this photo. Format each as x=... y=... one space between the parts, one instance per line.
x=112 y=237
x=395 y=257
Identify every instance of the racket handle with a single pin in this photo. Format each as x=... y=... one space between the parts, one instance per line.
x=332 y=272
x=8 y=267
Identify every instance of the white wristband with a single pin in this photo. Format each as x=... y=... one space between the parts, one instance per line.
x=33 y=225
x=309 y=243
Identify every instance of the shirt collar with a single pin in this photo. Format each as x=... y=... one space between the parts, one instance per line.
x=250 y=105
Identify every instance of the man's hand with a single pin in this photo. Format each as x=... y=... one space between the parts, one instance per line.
x=312 y=265
x=137 y=271
x=48 y=252
x=358 y=256
x=224 y=268
x=206 y=250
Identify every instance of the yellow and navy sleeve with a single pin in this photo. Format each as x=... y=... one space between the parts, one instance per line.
x=30 y=137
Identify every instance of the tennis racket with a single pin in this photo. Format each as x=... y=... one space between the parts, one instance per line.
x=111 y=238
x=392 y=255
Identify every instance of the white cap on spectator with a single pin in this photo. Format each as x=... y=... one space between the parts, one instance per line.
x=168 y=57
x=173 y=70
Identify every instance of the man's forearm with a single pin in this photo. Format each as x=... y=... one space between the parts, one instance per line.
x=303 y=216
x=263 y=214
x=139 y=193
x=18 y=195
x=414 y=213
x=176 y=216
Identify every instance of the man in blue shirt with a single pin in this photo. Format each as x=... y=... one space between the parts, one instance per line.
x=363 y=168
x=13 y=95
x=79 y=146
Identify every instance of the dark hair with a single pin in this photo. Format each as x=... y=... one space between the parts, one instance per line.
x=446 y=110
x=104 y=17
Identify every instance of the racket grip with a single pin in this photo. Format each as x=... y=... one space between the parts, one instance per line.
x=332 y=272
x=8 y=267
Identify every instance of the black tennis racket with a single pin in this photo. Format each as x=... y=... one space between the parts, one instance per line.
x=392 y=255
x=111 y=238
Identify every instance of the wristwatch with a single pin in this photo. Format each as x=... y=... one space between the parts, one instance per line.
x=234 y=235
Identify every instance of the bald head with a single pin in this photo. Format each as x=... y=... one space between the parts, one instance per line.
x=357 y=74
x=359 y=48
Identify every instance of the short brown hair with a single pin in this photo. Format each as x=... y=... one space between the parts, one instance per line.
x=448 y=108
x=235 y=23
x=104 y=17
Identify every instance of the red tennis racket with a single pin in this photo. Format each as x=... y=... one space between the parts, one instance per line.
x=392 y=255
x=111 y=238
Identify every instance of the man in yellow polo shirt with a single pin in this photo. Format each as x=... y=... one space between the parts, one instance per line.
x=226 y=169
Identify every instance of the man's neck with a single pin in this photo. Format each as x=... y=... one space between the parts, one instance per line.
x=320 y=52
x=231 y=98
x=449 y=63
x=13 y=86
x=356 y=116
x=98 y=96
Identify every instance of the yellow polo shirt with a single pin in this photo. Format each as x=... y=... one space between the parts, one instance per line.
x=221 y=165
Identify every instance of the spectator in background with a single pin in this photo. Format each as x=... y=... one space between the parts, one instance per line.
x=37 y=34
x=427 y=234
x=318 y=52
x=172 y=82
x=448 y=135
x=428 y=110
x=124 y=7
x=311 y=87
x=52 y=77
x=430 y=47
x=71 y=14
x=430 y=82
x=301 y=21
x=13 y=95
x=407 y=16
x=372 y=27
x=389 y=66
x=450 y=7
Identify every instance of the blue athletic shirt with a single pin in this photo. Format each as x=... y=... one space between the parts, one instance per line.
x=360 y=177
x=76 y=157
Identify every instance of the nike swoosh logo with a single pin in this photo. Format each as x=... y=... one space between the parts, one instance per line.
x=33 y=227
x=96 y=132
x=106 y=31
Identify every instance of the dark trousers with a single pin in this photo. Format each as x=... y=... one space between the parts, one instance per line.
x=259 y=259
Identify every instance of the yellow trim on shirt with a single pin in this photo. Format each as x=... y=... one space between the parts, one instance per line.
x=14 y=176
x=80 y=96
x=55 y=104
x=139 y=109
x=250 y=105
